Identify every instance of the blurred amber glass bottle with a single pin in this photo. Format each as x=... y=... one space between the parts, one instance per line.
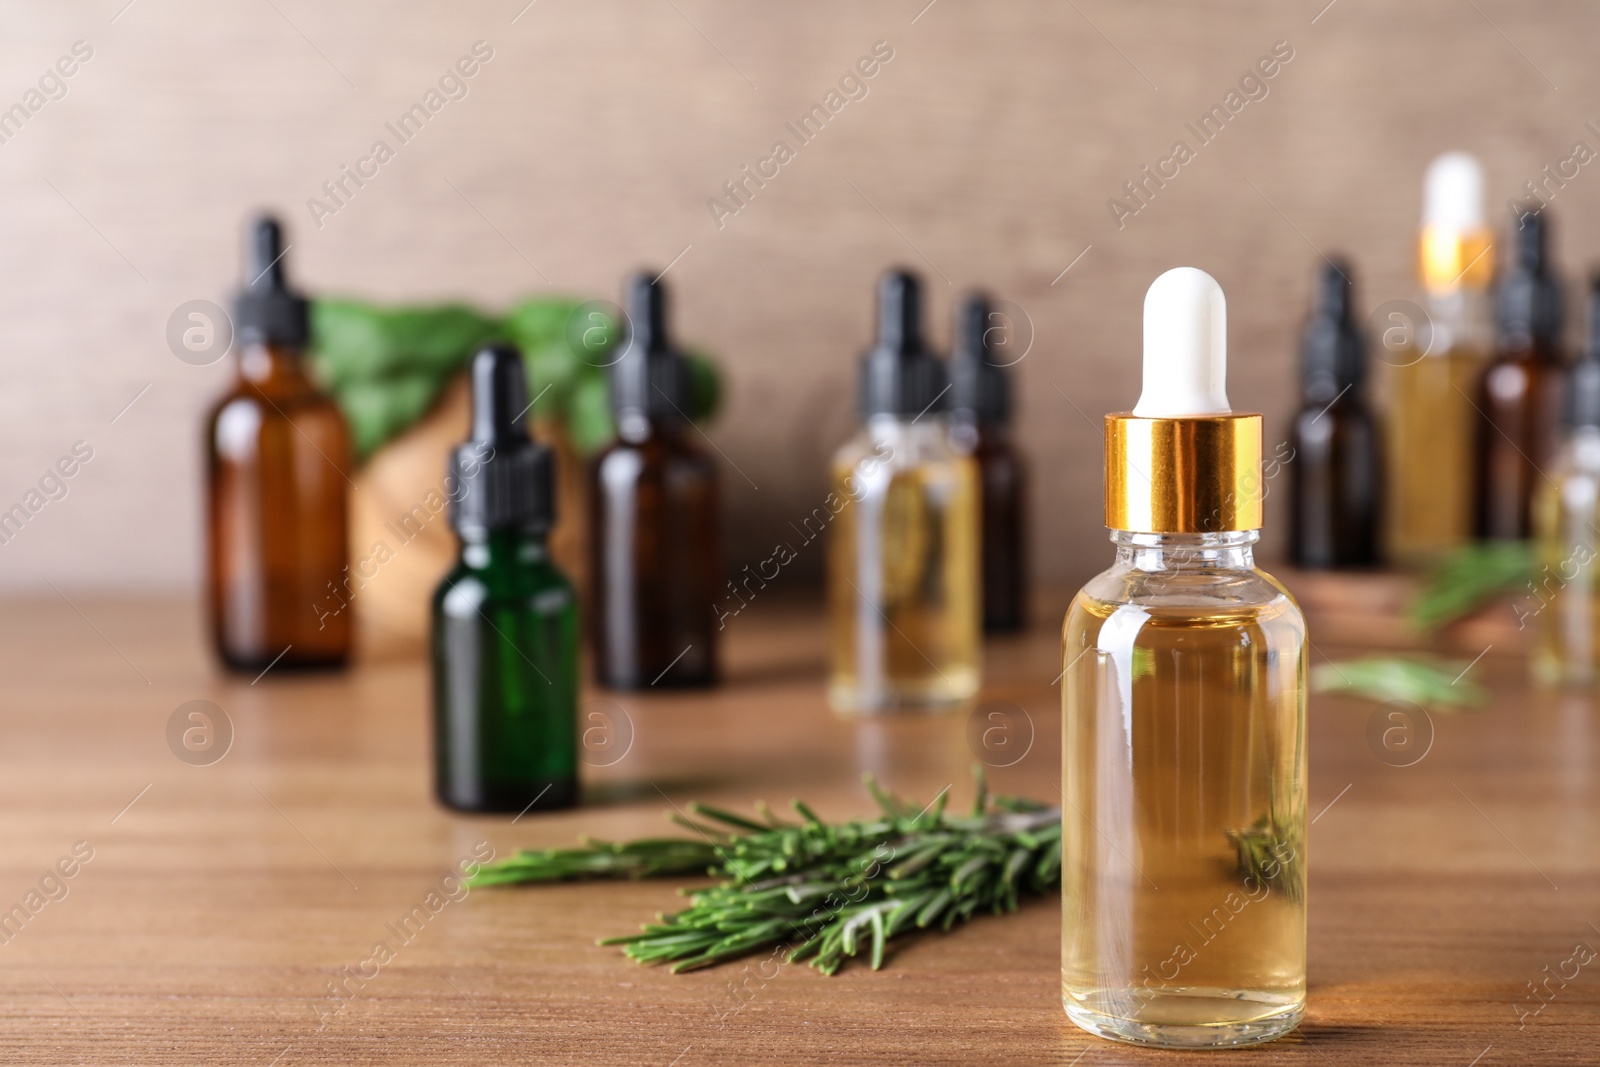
x=1335 y=477
x=656 y=559
x=981 y=416
x=1521 y=392
x=1563 y=603
x=1432 y=424
x=277 y=449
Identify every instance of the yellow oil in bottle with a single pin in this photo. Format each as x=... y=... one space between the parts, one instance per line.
x=1432 y=441
x=1183 y=851
x=1562 y=601
x=1183 y=765
x=1437 y=356
x=903 y=579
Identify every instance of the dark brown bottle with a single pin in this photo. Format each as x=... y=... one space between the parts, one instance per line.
x=1520 y=394
x=1335 y=468
x=656 y=563
x=980 y=407
x=276 y=454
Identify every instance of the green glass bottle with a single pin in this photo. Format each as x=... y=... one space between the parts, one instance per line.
x=505 y=619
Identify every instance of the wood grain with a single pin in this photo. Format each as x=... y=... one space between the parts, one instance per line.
x=220 y=904
x=1373 y=608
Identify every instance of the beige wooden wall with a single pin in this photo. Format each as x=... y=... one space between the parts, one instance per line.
x=984 y=152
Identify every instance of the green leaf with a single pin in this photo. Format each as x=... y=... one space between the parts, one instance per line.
x=438 y=339
x=705 y=387
x=1416 y=680
x=545 y=331
x=386 y=365
x=378 y=410
x=1470 y=578
x=588 y=415
x=349 y=342
x=356 y=341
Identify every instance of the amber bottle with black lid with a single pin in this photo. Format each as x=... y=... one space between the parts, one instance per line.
x=276 y=453
x=980 y=408
x=656 y=565
x=1335 y=473
x=1520 y=394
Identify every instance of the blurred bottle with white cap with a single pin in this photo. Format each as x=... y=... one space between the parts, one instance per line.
x=1436 y=359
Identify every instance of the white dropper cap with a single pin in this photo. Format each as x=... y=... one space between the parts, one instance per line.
x=1452 y=193
x=1185 y=347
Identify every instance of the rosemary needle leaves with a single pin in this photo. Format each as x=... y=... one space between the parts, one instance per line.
x=1472 y=577
x=815 y=890
x=1266 y=850
x=1432 y=683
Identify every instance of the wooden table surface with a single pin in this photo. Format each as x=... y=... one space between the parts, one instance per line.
x=221 y=900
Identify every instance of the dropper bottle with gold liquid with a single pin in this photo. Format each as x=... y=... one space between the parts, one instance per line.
x=903 y=585
x=1183 y=845
x=1436 y=364
x=1562 y=604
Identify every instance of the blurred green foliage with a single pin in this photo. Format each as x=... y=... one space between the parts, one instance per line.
x=1421 y=680
x=1472 y=576
x=387 y=365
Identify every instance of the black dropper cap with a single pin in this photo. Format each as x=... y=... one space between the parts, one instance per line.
x=1333 y=353
x=899 y=375
x=650 y=378
x=500 y=479
x=1583 y=397
x=267 y=311
x=1531 y=308
x=979 y=387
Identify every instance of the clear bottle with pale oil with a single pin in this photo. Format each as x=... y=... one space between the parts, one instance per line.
x=1562 y=602
x=903 y=582
x=1435 y=368
x=1184 y=729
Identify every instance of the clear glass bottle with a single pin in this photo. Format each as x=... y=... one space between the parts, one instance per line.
x=1184 y=738
x=903 y=584
x=1432 y=427
x=277 y=448
x=1563 y=600
x=505 y=619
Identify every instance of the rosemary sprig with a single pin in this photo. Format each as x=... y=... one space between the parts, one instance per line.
x=1266 y=849
x=1473 y=576
x=1417 y=680
x=816 y=890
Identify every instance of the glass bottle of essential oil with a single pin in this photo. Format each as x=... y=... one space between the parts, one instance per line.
x=505 y=619
x=276 y=453
x=1431 y=431
x=1184 y=722
x=1335 y=476
x=1520 y=394
x=1564 y=598
x=903 y=586
x=980 y=406
x=657 y=565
